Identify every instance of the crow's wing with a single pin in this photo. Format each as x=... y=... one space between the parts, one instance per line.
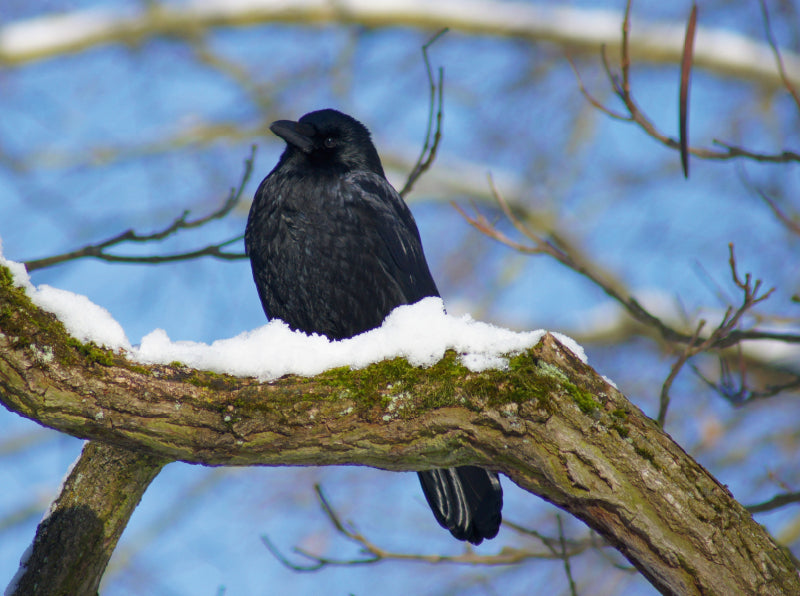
x=336 y=258
x=466 y=500
x=385 y=217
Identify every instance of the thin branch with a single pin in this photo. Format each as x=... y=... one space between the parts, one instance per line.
x=737 y=392
x=182 y=222
x=690 y=350
x=725 y=335
x=730 y=321
x=429 y=147
x=596 y=103
x=567 y=258
x=790 y=223
x=372 y=553
x=775 y=502
x=778 y=59
x=551 y=543
x=683 y=96
x=622 y=88
x=565 y=557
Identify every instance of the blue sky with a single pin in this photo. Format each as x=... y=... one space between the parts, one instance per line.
x=511 y=108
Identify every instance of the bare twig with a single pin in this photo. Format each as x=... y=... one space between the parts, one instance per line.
x=725 y=335
x=778 y=59
x=789 y=223
x=792 y=224
x=182 y=222
x=720 y=335
x=591 y=99
x=689 y=350
x=567 y=258
x=683 y=100
x=573 y=590
x=736 y=391
x=372 y=553
x=432 y=136
x=622 y=88
x=775 y=502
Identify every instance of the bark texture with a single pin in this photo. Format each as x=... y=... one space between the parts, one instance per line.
x=548 y=422
x=76 y=539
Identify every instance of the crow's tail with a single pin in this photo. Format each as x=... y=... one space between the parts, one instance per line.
x=466 y=500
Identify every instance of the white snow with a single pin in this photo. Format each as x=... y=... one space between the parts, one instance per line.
x=83 y=319
x=421 y=333
x=23 y=565
x=49 y=511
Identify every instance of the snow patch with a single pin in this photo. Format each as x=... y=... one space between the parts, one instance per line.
x=421 y=333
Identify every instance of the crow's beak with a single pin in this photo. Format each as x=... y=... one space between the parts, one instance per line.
x=296 y=134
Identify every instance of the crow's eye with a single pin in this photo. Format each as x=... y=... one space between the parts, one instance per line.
x=329 y=142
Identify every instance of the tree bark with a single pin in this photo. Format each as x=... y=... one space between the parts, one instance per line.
x=548 y=422
x=75 y=540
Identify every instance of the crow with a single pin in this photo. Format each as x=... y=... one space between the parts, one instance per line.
x=334 y=249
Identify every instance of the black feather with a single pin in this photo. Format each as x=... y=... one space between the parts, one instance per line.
x=334 y=249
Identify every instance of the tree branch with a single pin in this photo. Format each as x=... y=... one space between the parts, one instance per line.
x=549 y=423
x=372 y=553
x=725 y=335
x=622 y=88
x=580 y=29
x=775 y=502
x=431 y=145
x=182 y=222
x=86 y=520
x=773 y=44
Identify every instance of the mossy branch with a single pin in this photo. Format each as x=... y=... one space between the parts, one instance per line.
x=548 y=422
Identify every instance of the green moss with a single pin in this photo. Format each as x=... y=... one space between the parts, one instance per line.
x=645 y=453
x=139 y=369
x=620 y=413
x=27 y=325
x=92 y=352
x=483 y=387
x=6 y=279
x=5 y=312
x=585 y=400
x=539 y=380
x=385 y=385
x=622 y=431
x=196 y=381
x=619 y=418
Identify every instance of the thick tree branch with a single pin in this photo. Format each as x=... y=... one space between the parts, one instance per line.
x=549 y=423
x=86 y=520
x=579 y=29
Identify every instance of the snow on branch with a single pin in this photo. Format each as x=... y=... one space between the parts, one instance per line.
x=548 y=422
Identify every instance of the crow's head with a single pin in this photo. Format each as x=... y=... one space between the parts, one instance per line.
x=328 y=139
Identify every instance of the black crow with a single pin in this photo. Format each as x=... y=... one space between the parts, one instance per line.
x=334 y=249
